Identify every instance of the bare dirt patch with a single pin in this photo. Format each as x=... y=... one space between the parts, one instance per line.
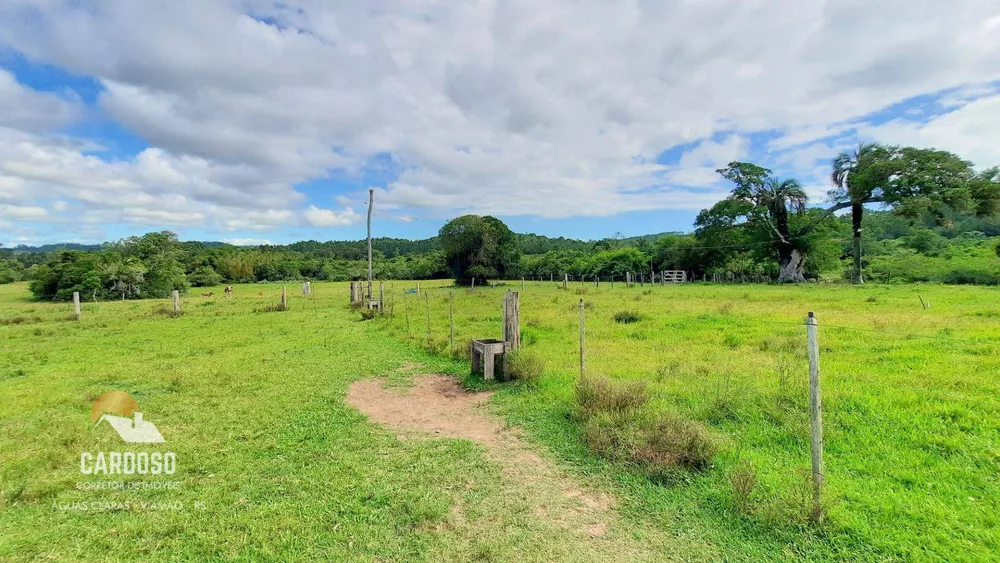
x=437 y=406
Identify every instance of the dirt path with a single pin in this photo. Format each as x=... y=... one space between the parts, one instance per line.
x=437 y=406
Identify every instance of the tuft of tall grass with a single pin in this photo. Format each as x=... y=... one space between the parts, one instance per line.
x=524 y=366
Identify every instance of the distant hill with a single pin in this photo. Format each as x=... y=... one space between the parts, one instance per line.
x=57 y=246
x=389 y=247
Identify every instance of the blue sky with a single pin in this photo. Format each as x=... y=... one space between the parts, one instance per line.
x=120 y=118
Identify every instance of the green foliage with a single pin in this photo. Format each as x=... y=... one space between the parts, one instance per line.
x=204 y=276
x=524 y=366
x=479 y=248
x=627 y=317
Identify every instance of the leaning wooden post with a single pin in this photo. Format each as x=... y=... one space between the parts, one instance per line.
x=815 y=414
x=176 y=295
x=512 y=320
x=284 y=298
x=427 y=310
x=583 y=370
x=451 y=323
x=76 y=304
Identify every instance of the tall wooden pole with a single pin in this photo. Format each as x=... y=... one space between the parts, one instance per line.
x=815 y=414
x=451 y=322
x=583 y=364
x=371 y=200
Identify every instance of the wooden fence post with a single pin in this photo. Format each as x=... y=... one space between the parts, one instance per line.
x=381 y=295
x=512 y=320
x=76 y=304
x=406 y=312
x=353 y=291
x=427 y=310
x=583 y=364
x=522 y=283
x=418 y=289
x=451 y=323
x=284 y=298
x=305 y=289
x=565 y=281
x=176 y=295
x=815 y=415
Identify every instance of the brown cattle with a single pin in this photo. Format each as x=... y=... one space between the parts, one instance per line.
x=209 y=294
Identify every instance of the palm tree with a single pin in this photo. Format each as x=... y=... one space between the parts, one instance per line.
x=855 y=187
x=780 y=197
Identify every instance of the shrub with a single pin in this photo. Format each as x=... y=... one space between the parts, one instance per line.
x=524 y=366
x=626 y=317
x=368 y=314
x=600 y=394
x=676 y=441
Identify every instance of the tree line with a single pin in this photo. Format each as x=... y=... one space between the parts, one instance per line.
x=939 y=223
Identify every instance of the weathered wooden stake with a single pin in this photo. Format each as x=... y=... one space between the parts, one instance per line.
x=177 y=301
x=512 y=320
x=406 y=312
x=565 y=281
x=305 y=289
x=451 y=323
x=583 y=369
x=371 y=201
x=381 y=295
x=522 y=283
x=427 y=309
x=353 y=293
x=76 y=304
x=284 y=298
x=418 y=289
x=815 y=414
x=473 y=283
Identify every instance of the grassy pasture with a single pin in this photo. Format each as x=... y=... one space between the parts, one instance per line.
x=911 y=403
x=252 y=403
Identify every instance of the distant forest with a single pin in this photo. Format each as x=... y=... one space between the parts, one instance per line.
x=958 y=249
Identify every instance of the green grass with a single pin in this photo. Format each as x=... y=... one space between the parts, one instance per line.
x=912 y=423
x=252 y=403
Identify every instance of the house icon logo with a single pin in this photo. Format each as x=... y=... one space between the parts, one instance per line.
x=121 y=411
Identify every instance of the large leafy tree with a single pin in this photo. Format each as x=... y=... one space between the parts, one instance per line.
x=479 y=248
x=912 y=182
x=763 y=207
